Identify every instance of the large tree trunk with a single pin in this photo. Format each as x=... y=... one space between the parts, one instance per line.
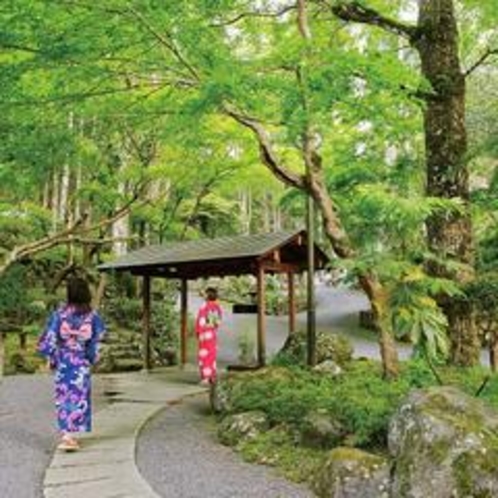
x=370 y=284
x=449 y=236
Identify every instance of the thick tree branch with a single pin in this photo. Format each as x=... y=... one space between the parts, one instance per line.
x=356 y=12
x=256 y=13
x=479 y=62
x=302 y=19
x=205 y=190
x=69 y=234
x=268 y=155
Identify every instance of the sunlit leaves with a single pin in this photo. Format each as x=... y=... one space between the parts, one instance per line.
x=415 y=314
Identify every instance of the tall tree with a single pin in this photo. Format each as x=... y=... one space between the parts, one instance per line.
x=435 y=38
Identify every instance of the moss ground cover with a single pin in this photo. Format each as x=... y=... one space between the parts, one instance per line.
x=359 y=399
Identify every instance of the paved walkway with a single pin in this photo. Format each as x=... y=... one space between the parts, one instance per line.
x=26 y=434
x=105 y=467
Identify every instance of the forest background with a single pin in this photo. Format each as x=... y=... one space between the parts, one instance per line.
x=130 y=123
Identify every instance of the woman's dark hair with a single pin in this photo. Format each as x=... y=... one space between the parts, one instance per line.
x=211 y=294
x=78 y=294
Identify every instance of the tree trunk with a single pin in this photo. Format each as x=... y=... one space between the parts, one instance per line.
x=245 y=200
x=55 y=199
x=368 y=281
x=449 y=235
x=493 y=352
x=120 y=229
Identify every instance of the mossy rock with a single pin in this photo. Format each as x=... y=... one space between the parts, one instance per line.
x=19 y=363
x=352 y=473
x=444 y=443
x=328 y=347
x=242 y=426
x=319 y=429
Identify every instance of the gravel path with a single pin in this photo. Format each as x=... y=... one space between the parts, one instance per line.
x=27 y=434
x=178 y=455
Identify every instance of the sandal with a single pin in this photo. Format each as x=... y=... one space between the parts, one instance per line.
x=68 y=444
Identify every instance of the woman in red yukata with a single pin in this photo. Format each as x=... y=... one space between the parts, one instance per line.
x=206 y=327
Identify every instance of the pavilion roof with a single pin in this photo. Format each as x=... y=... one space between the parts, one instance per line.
x=235 y=255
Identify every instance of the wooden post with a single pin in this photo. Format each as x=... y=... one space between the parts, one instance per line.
x=292 y=302
x=184 y=322
x=146 y=324
x=261 y=318
x=311 y=318
x=23 y=342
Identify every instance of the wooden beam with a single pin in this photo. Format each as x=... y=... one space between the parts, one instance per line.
x=183 y=321
x=261 y=317
x=291 y=302
x=279 y=267
x=146 y=323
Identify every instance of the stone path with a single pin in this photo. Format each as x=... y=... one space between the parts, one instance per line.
x=105 y=467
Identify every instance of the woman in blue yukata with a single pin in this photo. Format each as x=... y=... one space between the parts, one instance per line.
x=70 y=343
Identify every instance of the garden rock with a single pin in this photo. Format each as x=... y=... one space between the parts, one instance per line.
x=328 y=347
x=444 y=443
x=328 y=367
x=242 y=426
x=352 y=473
x=320 y=430
x=19 y=363
x=220 y=397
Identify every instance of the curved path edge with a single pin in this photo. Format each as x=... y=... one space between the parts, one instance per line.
x=105 y=466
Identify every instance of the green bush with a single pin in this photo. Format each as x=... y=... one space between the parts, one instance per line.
x=127 y=313
x=359 y=399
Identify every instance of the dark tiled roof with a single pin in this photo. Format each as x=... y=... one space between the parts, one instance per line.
x=241 y=246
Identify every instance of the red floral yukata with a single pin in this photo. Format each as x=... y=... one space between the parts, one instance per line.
x=206 y=326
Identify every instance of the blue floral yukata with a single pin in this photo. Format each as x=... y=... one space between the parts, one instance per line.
x=70 y=342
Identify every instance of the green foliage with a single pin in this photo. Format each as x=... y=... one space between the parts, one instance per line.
x=483 y=294
x=131 y=100
x=278 y=448
x=21 y=223
x=488 y=252
x=13 y=293
x=359 y=399
x=126 y=314
x=246 y=346
x=415 y=314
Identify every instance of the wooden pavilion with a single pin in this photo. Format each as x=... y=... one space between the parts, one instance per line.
x=258 y=255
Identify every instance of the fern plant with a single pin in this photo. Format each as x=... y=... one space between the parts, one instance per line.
x=415 y=314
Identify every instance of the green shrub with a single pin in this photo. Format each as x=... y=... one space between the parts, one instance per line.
x=359 y=399
x=127 y=313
